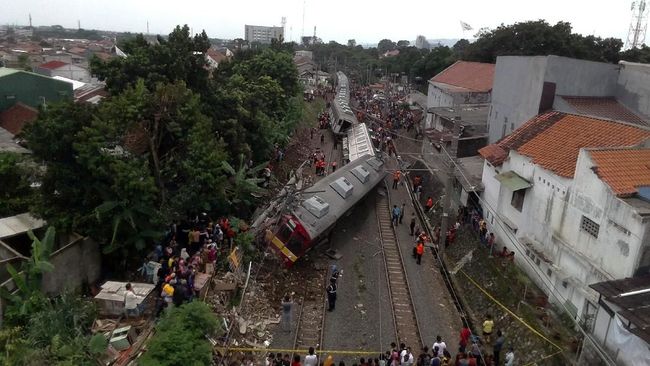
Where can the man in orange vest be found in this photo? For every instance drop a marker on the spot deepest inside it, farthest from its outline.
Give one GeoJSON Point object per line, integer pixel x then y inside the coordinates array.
{"type": "Point", "coordinates": [429, 204]}
{"type": "Point", "coordinates": [396, 177]}
{"type": "Point", "coordinates": [419, 249]}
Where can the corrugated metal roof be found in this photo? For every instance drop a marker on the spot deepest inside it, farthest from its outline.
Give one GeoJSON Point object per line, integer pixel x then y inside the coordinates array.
{"type": "Point", "coordinates": [19, 224]}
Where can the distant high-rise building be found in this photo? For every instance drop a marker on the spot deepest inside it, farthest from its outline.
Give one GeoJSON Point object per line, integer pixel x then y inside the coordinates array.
{"type": "Point", "coordinates": [263, 34]}
{"type": "Point", "coordinates": [421, 42]}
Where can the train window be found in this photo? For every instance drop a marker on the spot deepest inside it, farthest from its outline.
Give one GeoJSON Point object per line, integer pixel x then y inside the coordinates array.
{"type": "Point", "coordinates": [285, 232]}
{"type": "Point", "coordinates": [343, 187]}
{"type": "Point", "coordinates": [362, 174]}
{"type": "Point", "coordinates": [295, 245]}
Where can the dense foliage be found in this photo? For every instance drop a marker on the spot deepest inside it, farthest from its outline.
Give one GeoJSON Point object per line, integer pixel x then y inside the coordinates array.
{"type": "Point", "coordinates": [39, 330]}
{"type": "Point", "coordinates": [163, 145]}
{"type": "Point", "coordinates": [15, 192]}
{"type": "Point", "coordinates": [183, 329]}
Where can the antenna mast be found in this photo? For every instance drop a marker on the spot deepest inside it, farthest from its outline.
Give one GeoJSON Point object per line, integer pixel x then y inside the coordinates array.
{"type": "Point", "coordinates": [638, 24]}
{"type": "Point", "coordinates": [284, 27]}
{"type": "Point", "coordinates": [304, 6]}
{"type": "Point", "coordinates": [30, 20]}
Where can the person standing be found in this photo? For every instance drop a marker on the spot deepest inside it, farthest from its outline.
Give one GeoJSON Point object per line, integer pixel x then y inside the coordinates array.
{"type": "Point", "coordinates": [396, 177]}
{"type": "Point", "coordinates": [131, 302]}
{"type": "Point", "coordinates": [429, 204]}
{"type": "Point", "coordinates": [465, 333]}
{"type": "Point", "coordinates": [322, 139]}
{"type": "Point", "coordinates": [401, 212]}
{"type": "Point", "coordinates": [311, 359]}
{"type": "Point", "coordinates": [396, 213]}
{"type": "Point", "coordinates": [331, 295]}
{"type": "Point", "coordinates": [498, 345]}
{"type": "Point", "coordinates": [287, 307]}
{"type": "Point", "coordinates": [488, 326]}
{"type": "Point", "coordinates": [440, 345]}
{"type": "Point", "coordinates": [419, 249]}
{"type": "Point", "coordinates": [412, 224]}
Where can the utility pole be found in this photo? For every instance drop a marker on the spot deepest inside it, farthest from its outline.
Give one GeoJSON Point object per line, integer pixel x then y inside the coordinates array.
{"type": "Point", "coordinates": [449, 184]}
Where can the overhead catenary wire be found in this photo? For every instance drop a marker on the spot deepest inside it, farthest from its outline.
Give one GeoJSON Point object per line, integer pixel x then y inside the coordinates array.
{"type": "Point", "coordinates": [513, 240]}
{"type": "Point", "coordinates": [517, 245]}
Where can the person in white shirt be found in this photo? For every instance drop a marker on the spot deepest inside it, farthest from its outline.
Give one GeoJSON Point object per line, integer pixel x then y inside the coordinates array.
{"type": "Point", "coordinates": [442, 346]}
{"type": "Point", "coordinates": [131, 302]}
{"type": "Point", "coordinates": [510, 357]}
{"type": "Point", "coordinates": [311, 359]}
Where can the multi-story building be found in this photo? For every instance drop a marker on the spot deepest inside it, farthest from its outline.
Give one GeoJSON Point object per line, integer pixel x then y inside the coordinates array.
{"type": "Point", "coordinates": [569, 195]}
{"type": "Point", "coordinates": [262, 34]}
{"type": "Point", "coordinates": [525, 86]}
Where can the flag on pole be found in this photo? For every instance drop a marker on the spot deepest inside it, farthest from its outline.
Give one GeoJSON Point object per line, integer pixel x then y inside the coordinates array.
{"type": "Point", "coordinates": [465, 26]}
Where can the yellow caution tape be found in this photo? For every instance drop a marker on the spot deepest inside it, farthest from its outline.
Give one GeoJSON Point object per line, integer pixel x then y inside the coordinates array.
{"type": "Point", "coordinates": [510, 311]}
{"type": "Point", "coordinates": [282, 350]}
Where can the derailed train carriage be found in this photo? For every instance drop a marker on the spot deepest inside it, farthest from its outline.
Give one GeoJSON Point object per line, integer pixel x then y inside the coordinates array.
{"type": "Point", "coordinates": [341, 115]}
{"type": "Point", "coordinates": [328, 201]}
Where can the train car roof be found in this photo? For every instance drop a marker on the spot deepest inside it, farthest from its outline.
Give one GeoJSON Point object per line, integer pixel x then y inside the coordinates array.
{"type": "Point", "coordinates": [331, 197]}
{"type": "Point", "coordinates": [359, 142]}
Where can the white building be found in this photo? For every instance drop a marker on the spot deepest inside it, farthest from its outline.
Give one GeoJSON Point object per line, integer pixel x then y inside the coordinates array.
{"type": "Point", "coordinates": [59, 68]}
{"type": "Point", "coordinates": [525, 86]}
{"type": "Point", "coordinates": [262, 34]}
{"type": "Point", "coordinates": [565, 192]}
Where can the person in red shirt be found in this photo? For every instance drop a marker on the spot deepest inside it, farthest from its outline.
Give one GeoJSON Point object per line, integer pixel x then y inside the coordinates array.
{"type": "Point", "coordinates": [296, 361]}
{"type": "Point", "coordinates": [429, 204]}
{"type": "Point", "coordinates": [420, 250]}
{"type": "Point", "coordinates": [465, 333]}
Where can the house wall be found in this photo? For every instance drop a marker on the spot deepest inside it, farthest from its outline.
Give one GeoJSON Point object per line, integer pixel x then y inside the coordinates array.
{"type": "Point", "coordinates": [31, 88]}
{"type": "Point", "coordinates": [437, 97]}
{"type": "Point", "coordinates": [516, 91]}
{"type": "Point", "coordinates": [72, 72]}
{"type": "Point", "coordinates": [75, 264]}
{"type": "Point", "coordinates": [633, 87]}
{"type": "Point", "coordinates": [550, 223]}
{"type": "Point", "coordinates": [519, 81]}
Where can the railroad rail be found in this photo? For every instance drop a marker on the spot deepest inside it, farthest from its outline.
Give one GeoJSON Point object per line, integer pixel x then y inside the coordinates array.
{"type": "Point", "coordinates": [405, 320]}
{"type": "Point", "coordinates": [311, 317]}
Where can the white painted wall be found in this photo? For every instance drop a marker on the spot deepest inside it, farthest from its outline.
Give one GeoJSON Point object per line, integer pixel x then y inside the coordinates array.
{"type": "Point", "coordinates": [550, 220]}
{"type": "Point", "coordinates": [633, 87]}
{"type": "Point", "coordinates": [72, 72]}
{"type": "Point", "coordinates": [516, 91]}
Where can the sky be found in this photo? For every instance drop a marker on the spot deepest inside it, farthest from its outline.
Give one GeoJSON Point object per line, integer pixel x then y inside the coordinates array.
{"type": "Point", "coordinates": [339, 20]}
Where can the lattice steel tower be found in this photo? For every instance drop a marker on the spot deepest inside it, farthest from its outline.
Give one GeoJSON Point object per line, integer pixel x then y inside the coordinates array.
{"type": "Point", "coordinates": [638, 25]}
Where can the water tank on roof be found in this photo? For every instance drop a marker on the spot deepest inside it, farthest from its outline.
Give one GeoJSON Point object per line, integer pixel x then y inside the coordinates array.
{"type": "Point", "coordinates": [316, 206]}
{"type": "Point", "coordinates": [375, 163]}
{"type": "Point", "coordinates": [342, 187]}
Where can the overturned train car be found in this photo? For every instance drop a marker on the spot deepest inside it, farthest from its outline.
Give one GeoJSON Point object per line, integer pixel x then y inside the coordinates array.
{"type": "Point", "coordinates": [330, 198]}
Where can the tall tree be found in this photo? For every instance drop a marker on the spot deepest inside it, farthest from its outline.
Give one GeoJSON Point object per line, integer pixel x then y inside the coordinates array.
{"type": "Point", "coordinates": [386, 45]}
{"type": "Point", "coordinates": [540, 38]}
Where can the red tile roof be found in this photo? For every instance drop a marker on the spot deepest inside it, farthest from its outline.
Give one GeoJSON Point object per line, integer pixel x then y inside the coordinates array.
{"type": "Point", "coordinates": [622, 169]}
{"type": "Point", "coordinates": [475, 76]}
{"type": "Point", "coordinates": [556, 148]}
{"type": "Point", "coordinates": [52, 65]}
{"type": "Point", "coordinates": [604, 107]}
{"type": "Point", "coordinates": [16, 117]}
{"type": "Point", "coordinates": [497, 153]}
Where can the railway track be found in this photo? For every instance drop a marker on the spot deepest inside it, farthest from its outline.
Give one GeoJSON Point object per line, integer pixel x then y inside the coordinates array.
{"type": "Point", "coordinates": [404, 317]}
{"type": "Point", "coordinates": [311, 316]}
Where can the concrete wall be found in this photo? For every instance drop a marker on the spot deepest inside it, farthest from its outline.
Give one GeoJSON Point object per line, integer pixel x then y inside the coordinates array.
{"type": "Point", "coordinates": [517, 88]}
{"type": "Point", "coordinates": [550, 222]}
{"type": "Point", "coordinates": [519, 80]}
{"type": "Point", "coordinates": [633, 87]}
{"type": "Point", "coordinates": [581, 77]}
{"type": "Point", "coordinates": [75, 264]}
{"type": "Point", "coordinates": [437, 97]}
{"type": "Point", "coordinates": [72, 72]}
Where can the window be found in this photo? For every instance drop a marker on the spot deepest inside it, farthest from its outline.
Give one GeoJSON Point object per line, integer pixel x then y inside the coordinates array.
{"type": "Point", "coordinates": [537, 262]}
{"type": "Point", "coordinates": [518, 199]}
{"type": "Point", "coordinates": [527, 251]}
{"type": "Point", "coordinates": [549, 273]}
{"type": "Point", "coordinates": [565, 283]}
{"type": "Point", "coordinates": [589, 226]}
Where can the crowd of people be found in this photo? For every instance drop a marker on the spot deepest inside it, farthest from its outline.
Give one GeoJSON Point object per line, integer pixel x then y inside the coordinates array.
{"type": "Point", "coordinates": [471, 352]}
{"type": "Point", "coordinates": [189, 248]}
